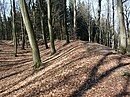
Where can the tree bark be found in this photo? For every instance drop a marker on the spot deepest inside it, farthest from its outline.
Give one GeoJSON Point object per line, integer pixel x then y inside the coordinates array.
{"type": "Point", "coordinates": [31, 35]}
{"type": "Point", "coordinates": [14, 28]}
{"type": "Point", "coordinates": [65, 23]}
{"type": "Point", "coordinates": [1, 28]}
{"type": "Point", "coordinates": [122, 35]}
{"type": "Point", "coordinates": [113, 28]}
{"type": "Point", "coordinates": [5, 22]}
{"type": "Point", "coordinates": [74, 4]}
{"type": "Point", "coordinates": [49, 9]}
{"type": "Point", "coordinates": [23, 34]}
{"type": "Point", "coordinates": [89, 23]}
{"type": "Point", "coordinates": [42, 25]}
{"type": "Point", "coordinates": [108, 23]}
{"type": "Point", "coordinates": [98, 22]}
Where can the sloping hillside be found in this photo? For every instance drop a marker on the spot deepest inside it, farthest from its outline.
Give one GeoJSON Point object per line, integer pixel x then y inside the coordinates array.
{"type": "Point", "coordinates": [78, 69]}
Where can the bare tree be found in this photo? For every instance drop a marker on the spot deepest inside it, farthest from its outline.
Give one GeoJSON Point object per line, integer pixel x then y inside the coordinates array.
{"type": "Point", "coordinates": [74, 4]}
{"type": "Point", "coordinates": [42, 23]}
{"type": "Point", "coordinates": [122, 35]}
{"type": "Point", "coordinates": [127, 15]}
{"type": "Point", "coordinates": [98, 22]}
{"type": "Point", "coordinates": [113, 24]}
{"type": "Point", "coordinates": [65, 23]}
{"type": "Point", "coordinates": [108, 24]}
{"type": "Point", "coordinates": [23, 34]}
{"type": "Point", "coordinates": [31, 35]}
{"type": "Point", "coordinates": [53, 50]}
{"type": "Point", "coordinates": [14, 27]}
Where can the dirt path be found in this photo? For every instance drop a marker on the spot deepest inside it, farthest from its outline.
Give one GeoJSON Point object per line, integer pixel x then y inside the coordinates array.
{"type": "Point", "coordinates": [77, 70]}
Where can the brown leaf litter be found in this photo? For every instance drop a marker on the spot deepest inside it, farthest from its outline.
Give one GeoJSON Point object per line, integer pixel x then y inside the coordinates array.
{"type": "Point", "coordinates": [79, 69]}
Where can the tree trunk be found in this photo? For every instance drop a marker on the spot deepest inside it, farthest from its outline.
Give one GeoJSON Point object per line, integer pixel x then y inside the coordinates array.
{"type": "Point", "coordinates": [113, 21]}
{"type": "Point", "coordinates": [108, 23]}
{"type": "Point", "coordinates": [128, 31]}
{"type": "Point", "coordinates": [60, 23]}
{"type": "Point", "coordinates": [1, 28]}
{"type": "Point", "coordinates": [14, 28]}
{"type": "Point", "coordinates": [74, 4]}
{"type": "Point", "coordinates": [31, 35]}
{"type": "Point", "coordinates": [34, 16]}
{"type": "Point", "coordinates": [65, 23]}
{"type": "Point", "coordinates": [98, 22]}
{"type": "Point", "coordinates": [89, 23]}
{"type": "Point", "coordinates": [122, 35]}
{"type": "Point", "coordinates": [128, 39]}
{"type": "Point", "coordinates": [42, 25]}
{"type": "Point", "coordinates": [5, 22]}
{"type": "Point", "coordinates": [127, 14]}
{"type": "Point", "coordinates": [23, 35]}
{"type": "Point", "coordinates": [53, 50]}
{"type": "Point", "coordinates": [43, 32]}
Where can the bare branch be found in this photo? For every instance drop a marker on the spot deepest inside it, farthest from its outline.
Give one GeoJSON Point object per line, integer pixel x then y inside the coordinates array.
{"type": "Point", "coordinates": [124, 1]}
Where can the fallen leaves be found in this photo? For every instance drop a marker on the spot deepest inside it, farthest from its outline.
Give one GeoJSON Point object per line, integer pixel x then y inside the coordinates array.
{"type": "Point", "coordinates": [79, 68]}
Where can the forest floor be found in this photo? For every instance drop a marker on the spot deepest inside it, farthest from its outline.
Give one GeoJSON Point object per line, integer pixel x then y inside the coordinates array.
{"type": "Point", "coordinates": [79, 69]}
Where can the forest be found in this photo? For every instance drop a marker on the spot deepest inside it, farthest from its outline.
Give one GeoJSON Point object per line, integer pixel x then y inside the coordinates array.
{"type": "Point", "coordinates": [64, 48]}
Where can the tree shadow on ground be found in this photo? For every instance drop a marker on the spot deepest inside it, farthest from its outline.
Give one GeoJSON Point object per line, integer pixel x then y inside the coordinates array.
{"type": "Point", "coordinates": [22, 79]}
{"type": "Point", "coordinates": [58, 84]}
{"type": "Point", "coordinates": [14, 63]}
{"type": "Point", "coordinates": [124, 91]}
{"type": "Point", "coordinates": [60, 66]}
{"type": "Point", "coordinates": [60, 54]}
{"type": "Point", "coordinates": [54, 70]}
{"type": "Point", "coordinates": [93, 79]}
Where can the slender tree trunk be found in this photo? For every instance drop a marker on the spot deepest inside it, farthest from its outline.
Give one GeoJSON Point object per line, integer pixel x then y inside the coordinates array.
{"type": "Point", "coordinates": [113, 28]}
{"type": "Point", "coordinates": [5, 22]}
{"type": "Point", "coordinates": [89, 22]}
{"type": "Point", "coordinates": [128, 35]}
{"type": "Point", "coordinates": [29, 4]}
{"type": "Point", "coordinates": [65, 23]}
{"type": "Point", "coordinates": [127, 14]}
{"type": "Point", "coordinates": [23, 39]}
{"type": "Point", "coordinates": [14, 28]}
{"type": "Point", "coordinates": [23, 35]}
{"type": "Point", "coordinates": [53, 50]}
{"type": "Point", "coordinates": [62, 29]}
{"type": "Point", "coordinates": [74, 4]}
{"type": "Point", "coordinates": [1, 27]}
{"type": "Point", "coordinates": [122, 36]}
{"type": "Point", "coordinates": [128, 31]}
{"type": "Point", "coordinates": [42, 25]}
{"type": "Point", "coordinates": [108, 22]}
{"type": "Point", "coordinates": [43, 32]}
{"type": "Point", "coordinates": [99, 14]}
{"type": "Point", "coordinates": [31, 35]}
{"type": "Point", "coordinates": [60, 23]}
{"type": "Point", "coordinates": [34, 16]}
{"type": "Point", "coordinates": [89, 30]}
